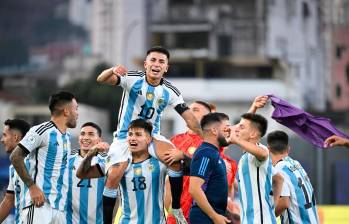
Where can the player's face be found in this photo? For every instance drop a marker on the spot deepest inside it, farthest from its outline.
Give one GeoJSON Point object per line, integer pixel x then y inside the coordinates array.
{"type": "Point", "coordinates": [244, 129]}
{"type": "Point", "coordinates": [223, 133]}
{"type": "Point", "coordinates": [138, 140]}
{"type": "Point", "coordinates": [9, 139]}
{"type": "Point", "coordinates": [155, 65]}
{"type": "Point", "coordinates": [73, 114]}
{"type": "Point", "coordinates": [88, 137]}
{"type": "Point", "coordinates": [198, 110]}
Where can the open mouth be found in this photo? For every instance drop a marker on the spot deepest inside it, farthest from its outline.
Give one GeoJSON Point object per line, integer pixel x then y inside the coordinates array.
{"type": "Point", "coordinates": [155, 70]}
{"type": "Point", "coordinates": [133, 144]}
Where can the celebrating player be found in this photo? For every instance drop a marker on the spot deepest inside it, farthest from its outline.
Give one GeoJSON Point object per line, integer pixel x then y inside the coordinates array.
{"type": "Point", "coordinates": [46, 175]}
{"type": "Point", "coordinates": [146, 95]}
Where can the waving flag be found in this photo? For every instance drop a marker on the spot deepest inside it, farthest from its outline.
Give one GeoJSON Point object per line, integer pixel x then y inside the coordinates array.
{"type": "Point", "coordinates": [312, 128]}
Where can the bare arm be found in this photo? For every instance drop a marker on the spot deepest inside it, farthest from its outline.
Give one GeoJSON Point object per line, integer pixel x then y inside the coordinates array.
{"type": "Point", "coordinates": [335, 140]}
{"type": "Point", "coordinates": [111, 75]}
{"type": "Point", "coordinates": [278, 180]}
{"type": "Point", "coordinates": [199, 196]}
{"type": "Point", "coordinates": [6, 205]}
{"type": "Point", "coordinates": [260, 153]}
{"type": "Point", "coordinates": [85, 170]}
{"type": "Point", "coordinates": [192, 123]}
{"type": "Point", "coordinates": [17, 160]}
{"type": "Point", "coordinates": [283, 203]}
{"type": "Point", "coordinates": [258, 102]}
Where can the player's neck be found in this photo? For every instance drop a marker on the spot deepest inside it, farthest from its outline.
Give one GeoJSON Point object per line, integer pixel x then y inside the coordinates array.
{"type": "Point", "coordinates": [275, 158]}
{"type": "Point", "coordinates": [153, 82]}
{"type": "Point", "coordinates": [60, 124]}
{"type": "Point", "coordinates": [83, 153]}
{"type": "Point", "coordinates": [138, 157]}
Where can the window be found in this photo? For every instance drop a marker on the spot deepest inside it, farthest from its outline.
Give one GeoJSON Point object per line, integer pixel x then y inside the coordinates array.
{"type": "Point", "coordinates": [224, 45]}
{"type": "Point", "coordinates": [338, 91]}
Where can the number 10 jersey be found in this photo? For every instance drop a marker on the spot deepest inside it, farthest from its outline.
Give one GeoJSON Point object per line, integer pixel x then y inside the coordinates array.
{"type": "Point", "coordinates": [142, 100]}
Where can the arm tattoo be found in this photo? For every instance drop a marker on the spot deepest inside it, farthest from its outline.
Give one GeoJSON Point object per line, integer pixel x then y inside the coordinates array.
{"type": "Point", "coordinates": [17, 160]}
{"type": "Point", "coordinates": [86, 163]}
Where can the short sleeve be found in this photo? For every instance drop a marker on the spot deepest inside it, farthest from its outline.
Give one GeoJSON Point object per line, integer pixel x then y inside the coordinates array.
{"type": "Point", "coordinates": [99, 161]}
{"type": "Point", "coordinates": [285, 191]}
{"type": "Point", "coordinates": [32, 140]}
{"type": "Point", "coordinates": [11, 185]}
{"type": "Point", "coordinates": [201, 165]}
{"type": "Point", "coordinates": [128, 80]}
{"type": "Point", "coordinates": [255, 160]}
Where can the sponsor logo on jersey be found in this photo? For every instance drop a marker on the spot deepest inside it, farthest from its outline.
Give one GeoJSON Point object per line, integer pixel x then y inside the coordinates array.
{"type": "Point", "coordinates": [161, 101]}
{"type": "Point", "coordinates": [31, 140]}
{"type": "Point", "coordinates": [138, 171]}
{"type": "Point", "coordinates": [150, 96]}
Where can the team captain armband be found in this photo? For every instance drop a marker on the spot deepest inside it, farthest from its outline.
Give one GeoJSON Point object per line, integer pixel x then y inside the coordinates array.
{"type": "Point", "coordinates": [180, 108]}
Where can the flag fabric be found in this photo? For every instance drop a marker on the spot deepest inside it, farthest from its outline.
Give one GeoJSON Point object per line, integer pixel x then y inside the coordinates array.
{"type": "Point", "coordinates": [312, 128]}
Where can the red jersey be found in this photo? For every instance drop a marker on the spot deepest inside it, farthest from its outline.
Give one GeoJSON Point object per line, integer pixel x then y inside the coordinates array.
{"type": "Point", "coordinates": [188, 143]}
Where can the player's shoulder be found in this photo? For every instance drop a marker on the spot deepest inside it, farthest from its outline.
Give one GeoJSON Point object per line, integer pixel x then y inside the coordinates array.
{"type": "Point", "coordinates": [168, 85]}
{"type": "Point", "coordinates": [43, 127]}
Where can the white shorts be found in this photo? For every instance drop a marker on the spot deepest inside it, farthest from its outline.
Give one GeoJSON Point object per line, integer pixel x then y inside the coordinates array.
{"type": "Point", "coordinates": [43, 215]}
{"type": "Point", "coordinates": [118, 151]}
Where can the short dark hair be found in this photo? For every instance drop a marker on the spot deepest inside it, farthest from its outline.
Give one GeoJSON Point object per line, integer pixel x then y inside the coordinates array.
{"type": "Point", "coordinates": [213, 118]}
{"type": "Point", "coordinates": [19, 125]}
{"type": "Point", "coordinates": [141, 123]}
{"type": "Point", "coordinates": [206, 105]}
{"type": "Point", "coordinates": [277, 141]}
{"type": "Point", "coordinates": [58, 99]}
{"type": "Point", "coordinates": [95, 126]}
{"type": "Point", "coordinates": [159, 49]}
{"type": "Point", "coordinates": [258, 121]}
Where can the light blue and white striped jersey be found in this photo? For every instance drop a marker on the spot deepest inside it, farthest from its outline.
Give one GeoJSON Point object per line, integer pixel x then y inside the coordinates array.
{"type": "Point", "coordinates": [142, 100]}
{"type": "Point", "coordinates": [297, 186]}
{"type": "Point", "coordinates": [255, 188]}
{"type": "Point", "coordinates": [142, 190]}
{"type": "Point", "coordinates": [18, 188]}
{"type": "Point", "coordinates": [49, 150]}
{"type": "Point", "coordinates": [85, 196]}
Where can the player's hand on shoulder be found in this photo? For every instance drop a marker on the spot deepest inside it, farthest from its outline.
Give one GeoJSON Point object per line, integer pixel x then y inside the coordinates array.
{"type": "Point", "coordinates": [173, 155]}
{"type": "Point", "coordinates": [220, 219]}
{"type": "Point", "coordinates": [119, 70]}
{"type": "Point", "coordinates": [37, 195]}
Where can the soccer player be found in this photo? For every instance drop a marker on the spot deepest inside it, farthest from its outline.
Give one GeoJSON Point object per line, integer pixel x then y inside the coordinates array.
{"type": "Point", "coordinates": [256, 178]}
{"type": "Point", "coordinates": [146, 95]}
{"type": "Point", "coordinates": [142, 185]}
{"type": "Point", "coordinates": [297, 203]}
{"type": "Point", "coordinates": [85, 196]}
{"type": "Point", "coordinates": [188, 142]}
{"type": "Point", "coordinates": [47, 147]}
{"type": "Point", "coordinates": [208, 176]}
{"type": "Point", "coordinates": [335, 140]}
{"type": "Point", "coordinates": [13, 131]}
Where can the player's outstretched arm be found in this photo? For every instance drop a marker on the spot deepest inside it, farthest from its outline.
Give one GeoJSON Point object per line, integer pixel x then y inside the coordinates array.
{"type": "Point", "coordinates": [335, 140]}
{"type": "Point", "coordinates": [260, 153]}
{"type": "Point", "coordinates": [111, 75]}
{"type": "Point", "coordinates": [6, 205]}
{"type": "Point", "coordinates": [192, 123]}
{"type": "Point", "coordinates": [17, 160]}
{"type": "Point", "coordinates": [85, 170]}
{"type": "Point", "coordinates": [258, 102]}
